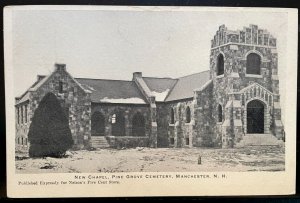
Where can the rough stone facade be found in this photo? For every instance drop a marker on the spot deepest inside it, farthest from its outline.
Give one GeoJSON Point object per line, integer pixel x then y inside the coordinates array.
{"type": "Point", "coordinates": [215, 114]}
{"type": "Point", "coordinates": [180, 132]}
{"type": "Point", "coordinates": [234, 89]}
{"type": "Point", "coordinates": [73, 98]}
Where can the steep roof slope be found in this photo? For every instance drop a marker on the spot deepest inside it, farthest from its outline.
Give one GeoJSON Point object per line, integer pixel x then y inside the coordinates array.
{"type": "Point", "coordinates": [113, 91]}
{"type": "Point", "coordinates": [127, 92]}
{"type": "Point", "coordinates": [184, 87]}
{"type": "Point", "coordinates": [160, 87]}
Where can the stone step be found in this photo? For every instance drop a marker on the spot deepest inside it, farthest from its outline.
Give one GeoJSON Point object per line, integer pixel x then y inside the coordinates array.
{"type": "Point", "coordinates": [259, 140]}
{"type": "Point", "coordinates": [99, 142]}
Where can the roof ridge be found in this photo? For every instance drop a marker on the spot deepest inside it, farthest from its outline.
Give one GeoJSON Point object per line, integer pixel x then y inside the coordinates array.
{"type": "Point", "coordinates": [161, 78]}
{"type": "Point", "coordinates": [193, 74]}
{"type": "Point", "coordinates": [103, 79]}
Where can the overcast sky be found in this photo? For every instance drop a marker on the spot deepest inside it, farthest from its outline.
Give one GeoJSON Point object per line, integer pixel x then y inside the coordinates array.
{"type": "Point", "coordinates": [114, 44]}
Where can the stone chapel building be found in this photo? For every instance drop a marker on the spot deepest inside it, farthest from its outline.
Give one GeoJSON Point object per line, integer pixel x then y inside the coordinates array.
{"type": "Point", "coordinates": [233, 103]}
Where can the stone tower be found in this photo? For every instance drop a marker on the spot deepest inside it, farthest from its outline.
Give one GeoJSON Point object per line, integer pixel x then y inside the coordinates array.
{"type": "Point", "coordinates": [244, 72]}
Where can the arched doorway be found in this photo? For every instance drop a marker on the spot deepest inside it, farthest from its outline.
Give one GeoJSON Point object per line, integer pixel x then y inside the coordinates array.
{"type": "Point", "coordinates": [118, 124]}
{"type": "Point", "coordinates": [255, 117]}
{"type": "Point", "coordinates": [138, 125]}
{"type": "Point", "coordinates": [98, 124]}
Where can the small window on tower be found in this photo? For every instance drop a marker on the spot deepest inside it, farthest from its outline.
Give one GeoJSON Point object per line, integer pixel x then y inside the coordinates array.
{"type": "Point", "coordinates": [60, 90]}
{"type": "Point", "coordinates": [220, 65]}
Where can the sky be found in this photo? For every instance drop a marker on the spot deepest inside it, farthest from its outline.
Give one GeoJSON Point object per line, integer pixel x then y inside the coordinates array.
{"type": "Point", "coordinates": [111, 44]}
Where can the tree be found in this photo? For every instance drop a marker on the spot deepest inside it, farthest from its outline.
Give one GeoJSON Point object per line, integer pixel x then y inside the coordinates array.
{"type": "Point", "coordinates": [49, 132]}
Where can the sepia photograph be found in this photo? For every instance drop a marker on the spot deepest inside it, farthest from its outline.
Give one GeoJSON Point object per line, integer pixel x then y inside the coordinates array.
{"type": "Point", "coordinates": [106, 90]}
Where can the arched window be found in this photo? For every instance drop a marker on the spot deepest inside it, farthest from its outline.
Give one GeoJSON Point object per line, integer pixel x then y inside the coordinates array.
{"type": "Point", "coordinates": [138, 125]}
{"type": "Point", "coordinates": [220, 65]}
{"type": "Point", "coordinates": [253, 64]}
{"type": "Point", "coordinates": [188, 115]}
{"type": "Point", "coordinates": [220, 113]}
{"type": "Point", "coordinates": [172, 116]}
{"type": "Point", "coordinates": [118, 124]}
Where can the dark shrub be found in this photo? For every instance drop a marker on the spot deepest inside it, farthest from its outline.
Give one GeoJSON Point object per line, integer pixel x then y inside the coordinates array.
{"type": "Point", "coordinates": [49, 132]}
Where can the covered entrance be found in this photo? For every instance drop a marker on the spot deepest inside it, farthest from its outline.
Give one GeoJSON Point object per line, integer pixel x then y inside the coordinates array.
{"type": "Point", "coordinates": [255, 117]}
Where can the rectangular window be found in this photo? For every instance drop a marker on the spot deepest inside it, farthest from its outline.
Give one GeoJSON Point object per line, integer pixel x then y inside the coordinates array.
{"type": "Point", "coordinates": [187, 141]}
{"type": "Point", "coordinates": [18, 114]}
{"type": "Point", "coordinates": [22, 114]}
{"type": "Point", "coordinates": [60, 87]}
{"type": "Point", "coordinates": [25, 113]}
{"type": "Point", "coordinates": [172, 141]}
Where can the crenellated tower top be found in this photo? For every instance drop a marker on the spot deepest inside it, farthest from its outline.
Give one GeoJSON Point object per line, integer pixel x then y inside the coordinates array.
{"type": "Point", "coordinates": [251, 35]}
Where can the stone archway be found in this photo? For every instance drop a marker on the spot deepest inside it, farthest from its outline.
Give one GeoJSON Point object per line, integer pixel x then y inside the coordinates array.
{"type": "Point", "coordinates": [118, 124]}
{"type": "Point", "coordinates": [97, 124]}
{"type": "Point", "coordinates": [256, 117]}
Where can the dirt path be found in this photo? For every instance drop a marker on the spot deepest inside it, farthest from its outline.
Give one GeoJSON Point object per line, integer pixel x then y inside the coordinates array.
{"type": "Point", "coordinates": [265, 158]}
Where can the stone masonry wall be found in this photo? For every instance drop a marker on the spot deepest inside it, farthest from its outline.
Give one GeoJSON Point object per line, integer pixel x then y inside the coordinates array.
{"type": "Point", "coordinates": [235, 46]}
{"type": "Point", "coordinates": [207, 131]}
{"type": "Point", "coordinates": [181, 131]}
{"type": "Point", "coordinates": [22, 126]}
{"type": "Point", "coordinates": [74, 100]}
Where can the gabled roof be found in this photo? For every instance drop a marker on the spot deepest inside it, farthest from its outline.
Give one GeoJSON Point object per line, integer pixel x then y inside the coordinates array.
{"type": "Point", "coordinates": [184, 88]}
{"type": "Point", "coordinates": [25, 96]}
{"type": "Point", "coordinates": [160, 87]}
{"type": "Point", "coordinates": [113, 91]}
{"type": "Point", "coordinates": [127, 92]}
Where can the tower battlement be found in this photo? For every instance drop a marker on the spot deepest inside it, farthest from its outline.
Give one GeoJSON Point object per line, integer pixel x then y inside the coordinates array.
{"type": "Point", "coordinates": [251, 35]}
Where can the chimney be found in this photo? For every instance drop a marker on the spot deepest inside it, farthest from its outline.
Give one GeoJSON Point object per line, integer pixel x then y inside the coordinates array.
{"type": "Point", "coordinates": [60, 67]}
{"type": "Point", "coordinates": [137, 75]}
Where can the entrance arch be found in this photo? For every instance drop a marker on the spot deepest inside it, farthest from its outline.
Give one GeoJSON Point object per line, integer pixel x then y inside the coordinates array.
{"type": "Point", "coordinates": [118, 124]}
{"type": "Point", "coordinates": [138, 125]}
{"type": "Point", "coordinates": [97, 124]}
{"type": "Point", "coordinates": [255, 117]}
